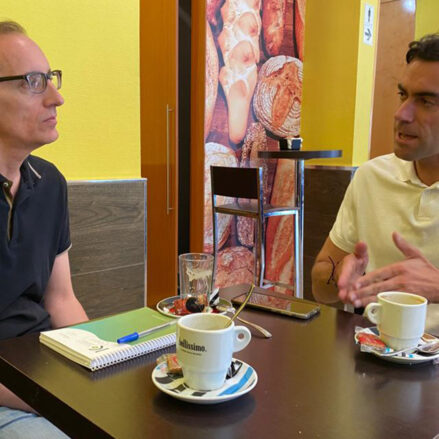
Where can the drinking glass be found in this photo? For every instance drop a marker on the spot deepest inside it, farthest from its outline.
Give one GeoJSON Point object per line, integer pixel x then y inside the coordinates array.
{"type": "Point", "coordinates": [196, 271]}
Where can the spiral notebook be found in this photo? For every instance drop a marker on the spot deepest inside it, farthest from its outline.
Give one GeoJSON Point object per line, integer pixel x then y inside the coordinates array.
{"type": "Point", "coordinates": [93, 344]}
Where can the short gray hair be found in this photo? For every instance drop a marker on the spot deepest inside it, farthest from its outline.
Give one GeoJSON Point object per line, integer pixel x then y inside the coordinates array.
{"type": "Point", "coordinates": [10, 27]}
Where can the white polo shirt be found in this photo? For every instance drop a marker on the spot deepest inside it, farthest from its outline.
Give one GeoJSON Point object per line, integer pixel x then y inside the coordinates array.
{"type": "Point", "coordinates": [386, 195]}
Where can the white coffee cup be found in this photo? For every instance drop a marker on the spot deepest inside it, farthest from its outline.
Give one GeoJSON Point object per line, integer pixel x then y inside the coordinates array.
{"type": "Point", "coordinates": [205, 347]}
{"type": "Point", "coordinates": [400, 318]}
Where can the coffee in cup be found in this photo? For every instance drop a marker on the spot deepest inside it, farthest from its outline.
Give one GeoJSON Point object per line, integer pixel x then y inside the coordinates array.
{"type": "Point", "coordinates": [400, 318]}
{"type": "Point", "coordinates": [205, 347]}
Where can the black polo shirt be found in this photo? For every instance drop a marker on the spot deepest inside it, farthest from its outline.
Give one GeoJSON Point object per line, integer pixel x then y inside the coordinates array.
{"type": "Point", "coordinates": [33, 231]}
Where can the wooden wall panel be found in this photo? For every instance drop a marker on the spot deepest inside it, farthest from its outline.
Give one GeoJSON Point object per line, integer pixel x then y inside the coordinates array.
{"type": "Point", "coordinates": [107, 223]}
{"type": "Point", "coordinates": [396, 29]}
{"type": "Point", "coordinates": [324, 191]}
{"type": "Point", "coordinates": [111, 291]}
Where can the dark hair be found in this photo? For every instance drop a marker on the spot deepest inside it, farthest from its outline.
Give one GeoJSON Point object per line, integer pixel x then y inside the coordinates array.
{"type": "Point", "coordinates": [9, 27]}
{"type": "Point", "coordinates": [425, 49]}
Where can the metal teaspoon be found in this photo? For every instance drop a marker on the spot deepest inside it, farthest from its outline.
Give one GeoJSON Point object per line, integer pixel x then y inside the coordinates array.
{"type": "Point", "coordinates": [263, 331]}
{"type": "Point", "coordinates": [430, 348]}
{"type": "Point", "coordinates": [250, 292]}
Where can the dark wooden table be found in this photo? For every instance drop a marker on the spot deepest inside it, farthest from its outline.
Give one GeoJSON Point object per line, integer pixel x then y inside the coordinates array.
{"type": "Point", "coordinates": [313, 383]}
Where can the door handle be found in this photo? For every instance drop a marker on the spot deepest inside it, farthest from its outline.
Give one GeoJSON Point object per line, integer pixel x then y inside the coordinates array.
{"type": "Point", "coordinates": [168, 169]}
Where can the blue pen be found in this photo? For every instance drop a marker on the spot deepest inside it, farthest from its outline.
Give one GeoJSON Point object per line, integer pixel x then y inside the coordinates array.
{"type": "Point", "coordinates": [137, 335]}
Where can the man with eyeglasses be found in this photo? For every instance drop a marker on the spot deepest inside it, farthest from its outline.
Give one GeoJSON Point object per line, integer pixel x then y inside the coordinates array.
{"type": "Point", "coordinates": [363, 255]}
{"type": "Point", "coordinates": [35, 286]}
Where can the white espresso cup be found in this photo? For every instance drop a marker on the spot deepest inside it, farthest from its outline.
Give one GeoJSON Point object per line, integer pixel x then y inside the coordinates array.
{"type": "Point", "coordinates": [400, 318]}
{"type": "Point", "coordinates": [205, 347]}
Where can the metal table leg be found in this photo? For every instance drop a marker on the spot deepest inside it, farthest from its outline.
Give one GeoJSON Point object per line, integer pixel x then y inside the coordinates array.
{"type": "Point", "coordinates": [298, 247]}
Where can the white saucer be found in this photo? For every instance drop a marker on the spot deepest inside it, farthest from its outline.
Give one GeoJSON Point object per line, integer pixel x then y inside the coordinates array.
{"type": "Point", "coordinates": [165, 306]}
{"type": "Point", "coordinates": [407, 358]}
{"type": "Point", "coordinates": [404, 357]}
{"type": "Point", "coordinates": [240, 384]}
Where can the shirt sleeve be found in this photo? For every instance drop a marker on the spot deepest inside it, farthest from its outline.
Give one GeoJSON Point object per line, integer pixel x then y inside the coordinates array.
{"type": "Point", "coordinates": [344, 233]}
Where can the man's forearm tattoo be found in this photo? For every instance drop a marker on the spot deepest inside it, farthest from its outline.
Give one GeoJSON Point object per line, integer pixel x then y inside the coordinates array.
{"type": "Point", "coordinates": [331, 280]}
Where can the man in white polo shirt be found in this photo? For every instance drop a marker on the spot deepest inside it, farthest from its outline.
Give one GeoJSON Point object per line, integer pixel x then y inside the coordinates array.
{"type": "Point", "coordinates": [386, 233]}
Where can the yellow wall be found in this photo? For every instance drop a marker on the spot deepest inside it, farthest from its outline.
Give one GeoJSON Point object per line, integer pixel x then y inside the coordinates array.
{"type": "Point", "coordinates": [338, 80]}
{"type": "Point", "coordinates": [96, 45]}
{"type": "Point", "coordinates": [427, 13]}
{"type": "Point", "coordinates": [365, 77]}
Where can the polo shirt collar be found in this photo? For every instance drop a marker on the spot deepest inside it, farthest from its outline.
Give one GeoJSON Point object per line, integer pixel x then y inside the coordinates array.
{"type": "Point", "coordinates": [407, 172]}
{"type": "Point", "coordinates": [29, 175]}
{"type": "Point", "coordinates": [29, 179]}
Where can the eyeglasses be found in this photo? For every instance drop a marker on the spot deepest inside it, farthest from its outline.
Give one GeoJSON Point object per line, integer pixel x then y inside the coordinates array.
{"type": "Point", "coordinates": [37, 81]}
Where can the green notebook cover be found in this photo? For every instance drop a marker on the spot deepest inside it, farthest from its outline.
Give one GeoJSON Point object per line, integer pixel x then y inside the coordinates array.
{"type": "Point", "coordinates": [94, 344]}
{"type": "Point", "coordinates": [116, 326]}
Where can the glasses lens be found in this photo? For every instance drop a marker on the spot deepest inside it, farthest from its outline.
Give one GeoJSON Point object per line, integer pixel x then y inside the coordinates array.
{"type": "Point", "coordinates": [37, 82]}
{"type": "Point", "coordinates": [56, 78]}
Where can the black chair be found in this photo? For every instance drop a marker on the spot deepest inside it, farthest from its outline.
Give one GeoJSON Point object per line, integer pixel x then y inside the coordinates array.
{"type": "Point", "coordinates": [247, 183]}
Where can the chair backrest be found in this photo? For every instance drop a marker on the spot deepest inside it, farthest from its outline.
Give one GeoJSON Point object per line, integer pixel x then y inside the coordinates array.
{"type": "Point", "coordinates": [236, 182]}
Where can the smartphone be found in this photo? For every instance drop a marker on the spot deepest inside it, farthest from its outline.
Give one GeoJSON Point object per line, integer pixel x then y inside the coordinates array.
{"type": "Point", "coordinates": [280, 303]}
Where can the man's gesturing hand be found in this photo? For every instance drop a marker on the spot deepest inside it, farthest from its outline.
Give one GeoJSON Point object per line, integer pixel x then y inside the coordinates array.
{"type": "Point", "coordinates": [414, 274]}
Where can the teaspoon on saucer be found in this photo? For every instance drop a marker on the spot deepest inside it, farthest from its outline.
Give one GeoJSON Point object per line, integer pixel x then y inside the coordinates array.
{"type": "Point", "coordinates": [429, 348]}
